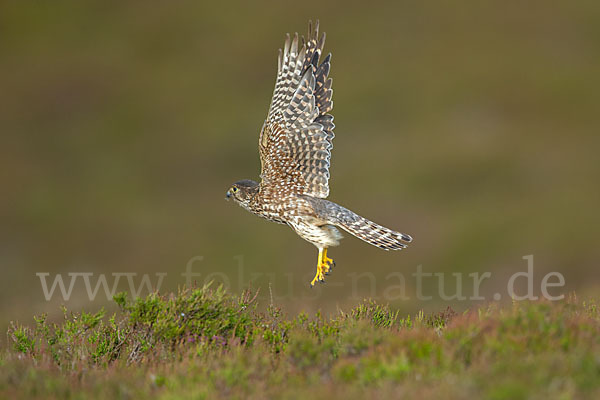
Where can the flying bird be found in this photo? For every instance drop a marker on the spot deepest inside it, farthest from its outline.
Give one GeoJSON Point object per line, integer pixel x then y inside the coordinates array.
{"type": "Point", "coordinates": [295, 145]}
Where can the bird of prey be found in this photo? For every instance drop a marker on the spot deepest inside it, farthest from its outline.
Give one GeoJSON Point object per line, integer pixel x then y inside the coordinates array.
{"type": "Point", "coordinates": [295, 145]}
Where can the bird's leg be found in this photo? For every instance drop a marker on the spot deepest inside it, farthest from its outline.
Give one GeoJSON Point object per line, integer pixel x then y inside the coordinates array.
{"type": "Point", "coordinates": [319, 277]}
{"type": "Point", "coordinates": [324, 265]}
{"type": "Point", "coordinates": [328, 263]}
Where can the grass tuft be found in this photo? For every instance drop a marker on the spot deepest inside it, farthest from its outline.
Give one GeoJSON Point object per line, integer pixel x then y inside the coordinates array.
{"type": "Point", "coordinates": [206, 343]}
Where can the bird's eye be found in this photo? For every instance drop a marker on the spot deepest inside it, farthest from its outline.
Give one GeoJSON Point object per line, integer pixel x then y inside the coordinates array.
{"type": "Point", "coordinates": [234, 189]}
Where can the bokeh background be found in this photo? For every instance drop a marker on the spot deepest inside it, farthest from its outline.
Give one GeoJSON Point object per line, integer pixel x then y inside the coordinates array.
{"type": "Point", "coordinates": [473, 126]}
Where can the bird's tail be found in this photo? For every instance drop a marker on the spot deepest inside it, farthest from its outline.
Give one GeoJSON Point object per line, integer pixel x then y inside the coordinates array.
{"type": "Point", "coordinates": [369, 231]}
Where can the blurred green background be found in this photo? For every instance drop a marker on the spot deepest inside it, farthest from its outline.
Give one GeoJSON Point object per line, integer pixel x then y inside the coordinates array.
{"type": "Point", "coordinates": [473, 126]}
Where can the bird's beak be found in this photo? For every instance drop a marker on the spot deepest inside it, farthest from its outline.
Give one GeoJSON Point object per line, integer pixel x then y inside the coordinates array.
{"type": "Point", "coordinates": [227, 195]}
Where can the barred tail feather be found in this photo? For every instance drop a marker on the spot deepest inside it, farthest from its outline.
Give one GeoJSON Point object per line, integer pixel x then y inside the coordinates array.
{"type": "Point", "coordinates": [376, 234]}
{"type": "Point", "coordinates": [364, 229]}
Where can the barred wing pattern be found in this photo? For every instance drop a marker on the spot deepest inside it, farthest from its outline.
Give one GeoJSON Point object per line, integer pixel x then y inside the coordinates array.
{"type": "Point", "coordinates": [297, 137]}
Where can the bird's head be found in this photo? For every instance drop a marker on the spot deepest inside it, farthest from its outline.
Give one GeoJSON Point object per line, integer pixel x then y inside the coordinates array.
{"type": "Point", "coordinates": [242, 192]}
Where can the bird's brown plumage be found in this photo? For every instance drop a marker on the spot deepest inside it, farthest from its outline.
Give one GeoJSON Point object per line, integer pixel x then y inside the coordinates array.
{"type": "Point", "coordinates": [295, 146]}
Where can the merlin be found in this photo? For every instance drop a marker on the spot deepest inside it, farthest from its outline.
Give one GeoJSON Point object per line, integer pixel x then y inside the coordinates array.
{"type": "Point", "coordinates": [295, 145]}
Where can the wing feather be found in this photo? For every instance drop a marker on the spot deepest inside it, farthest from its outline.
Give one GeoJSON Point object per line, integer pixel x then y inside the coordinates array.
{"type": "Point", "coordinates": [297, 137]}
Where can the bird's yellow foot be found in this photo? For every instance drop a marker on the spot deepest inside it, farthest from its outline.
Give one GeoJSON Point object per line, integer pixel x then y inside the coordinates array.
{"type": "Point", "coordinates": [319, 277]}
{"type": "Point", "coordinates": [328, 263]}
{"type": "Point", "coordinates": [324, 265]}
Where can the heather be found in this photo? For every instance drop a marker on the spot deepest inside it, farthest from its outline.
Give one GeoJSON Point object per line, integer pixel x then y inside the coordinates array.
{"type": "Point", "coordinates": [207, 343]}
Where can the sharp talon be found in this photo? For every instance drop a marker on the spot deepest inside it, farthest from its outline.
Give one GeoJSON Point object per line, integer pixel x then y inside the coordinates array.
{"type": "Point", "coordinates": [324, 265]}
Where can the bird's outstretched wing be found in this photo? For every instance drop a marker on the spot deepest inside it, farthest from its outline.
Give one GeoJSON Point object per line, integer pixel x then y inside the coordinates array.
{"type": "Point", "coordinates": [297, 137]}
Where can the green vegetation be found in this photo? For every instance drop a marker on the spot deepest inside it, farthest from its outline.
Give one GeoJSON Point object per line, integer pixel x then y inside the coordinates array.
{"type": "Point", "coordinates": [205, 343]}
{"type": "Point", "coordinates": [472, 125]}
